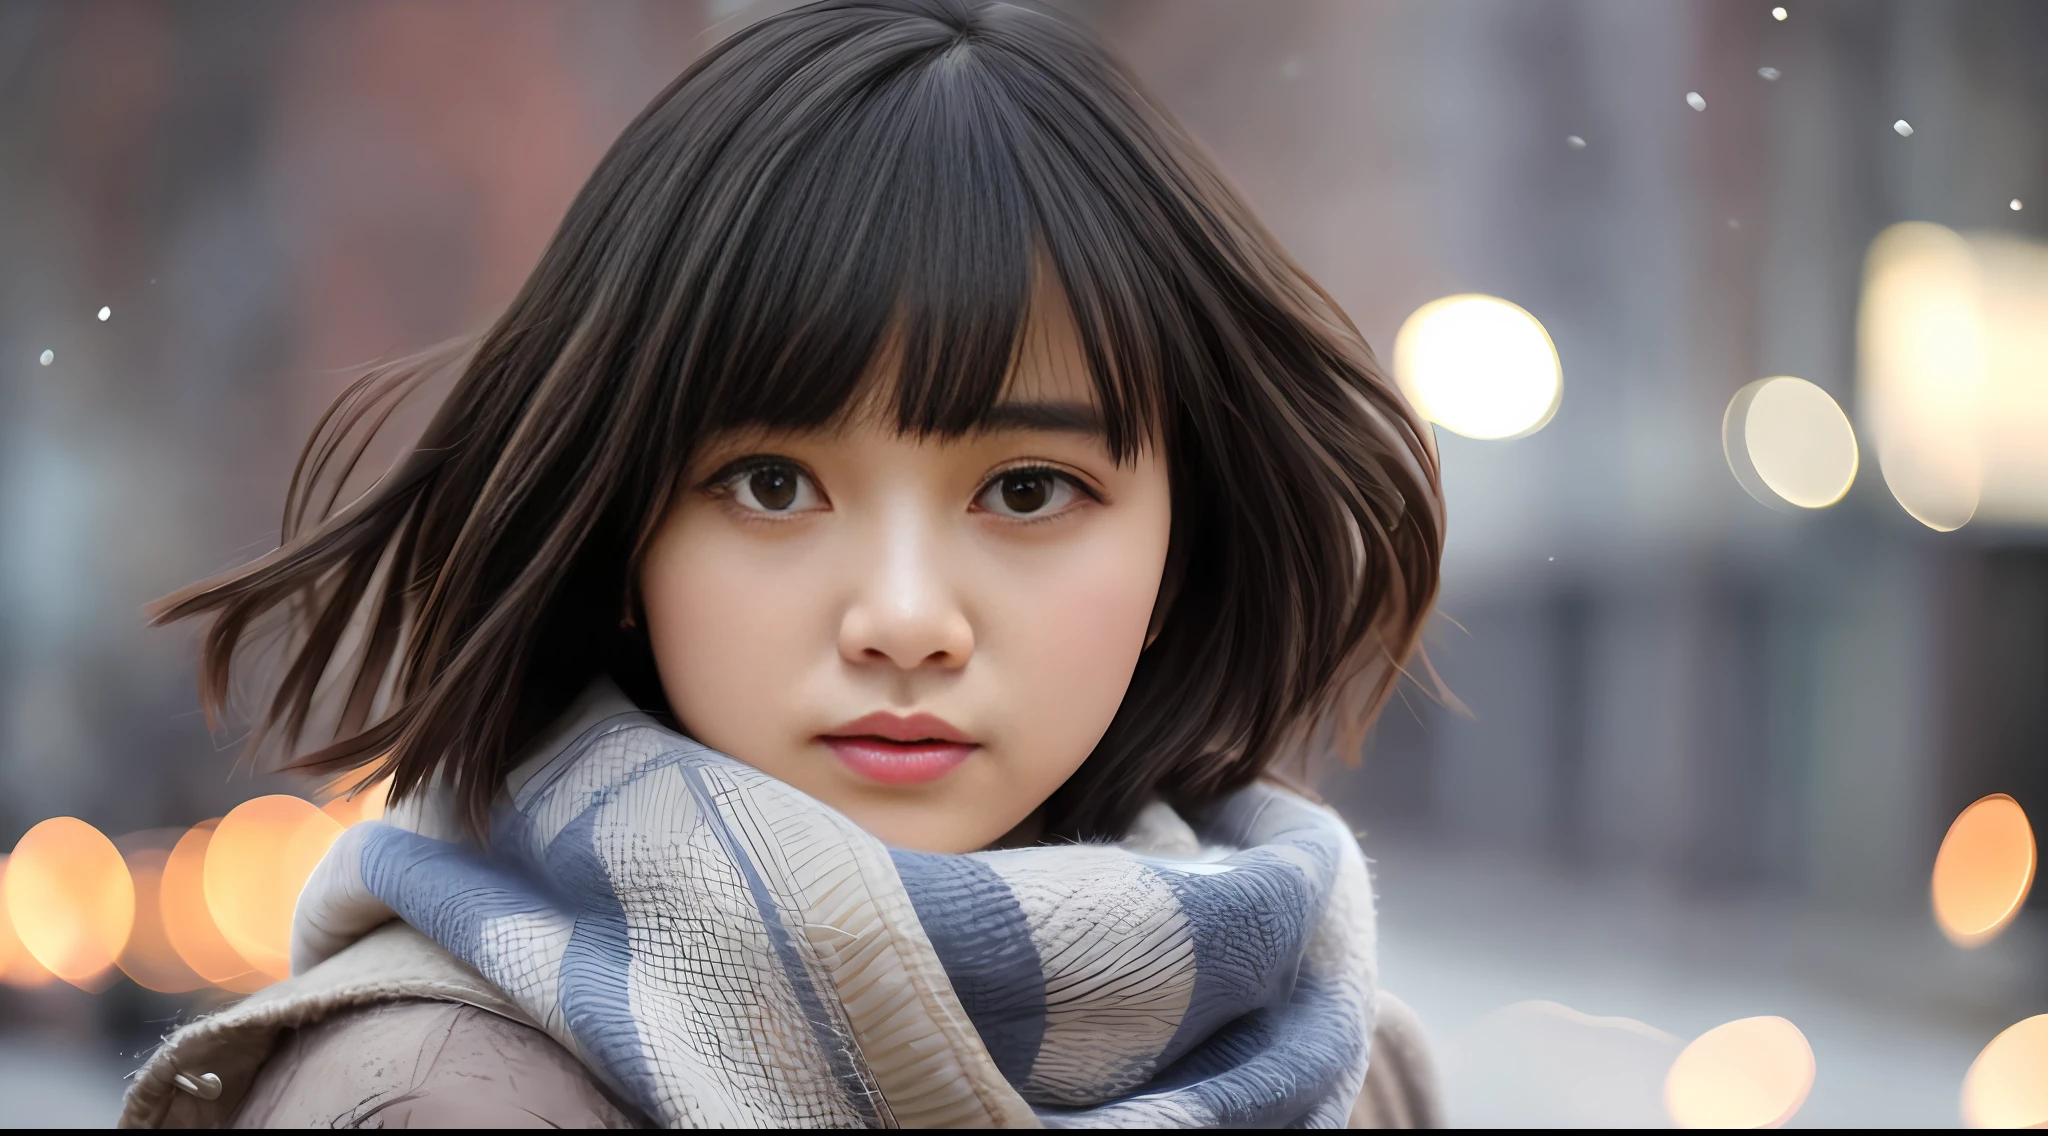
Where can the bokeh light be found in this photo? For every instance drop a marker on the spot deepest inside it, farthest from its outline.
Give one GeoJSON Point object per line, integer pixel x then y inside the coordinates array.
{"type": "Point", "coordinates": [71, 899]}
{"type": "Point", "coordinates": [1953, 339]}
{"type": "Point", "coordinates": [2014, 298]}
{"type": "Point", "coordinates": [1789, 443]}
{"type": "Point", "coordinates": [18, 968]}
{"type": "Point", "coordinates": [162, 906]}
{"type": "Point", "coordinates": [1983, 871]}
{"type": "Point", "coordinates": [1749, 1073]}
{"type": "Point", "coordinates": [1921, 339]}
{"type": "Point", "coordinates": [1478, 366]}
{"type": "Point", "coordinates": [188, 921]}
{"type": "Point", "coordinates": [256, 863]}
{"type": "Point", "coordinates": [2007, 1086]}
{"type": "Point", "coordinates": [149, 957]}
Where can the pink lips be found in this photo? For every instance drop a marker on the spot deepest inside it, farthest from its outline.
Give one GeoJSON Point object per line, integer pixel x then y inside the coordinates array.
{"type": "Point", "coordinates": [896, 750]}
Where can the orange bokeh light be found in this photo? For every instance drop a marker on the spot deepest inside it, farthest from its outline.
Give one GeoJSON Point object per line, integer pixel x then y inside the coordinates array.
{"type": "Point", "coordinates": [71, 899]}
{"type": "Point", "coordinates": [1750, 1073]}
{"type": "Point", "coordinates": [256, 863]}
{"type": "Point", "coordinates": [2007, 1086]}
{"type": "Point", "coordinates": [150, 958]}
{"type": "Point", "coordinates": [1983, 871]}
{"type": "Point", "coordinates": [188, 922]}
{"type": "Point", "coordinates": [17, 967]}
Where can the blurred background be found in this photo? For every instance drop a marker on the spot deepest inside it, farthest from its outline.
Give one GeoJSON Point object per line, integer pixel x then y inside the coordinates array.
{"type": "Point", "coordinates": [1723, 695]}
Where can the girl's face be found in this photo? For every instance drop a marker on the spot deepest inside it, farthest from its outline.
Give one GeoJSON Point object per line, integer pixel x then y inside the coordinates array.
{"type": "Point", "coordinates": [928, 635]}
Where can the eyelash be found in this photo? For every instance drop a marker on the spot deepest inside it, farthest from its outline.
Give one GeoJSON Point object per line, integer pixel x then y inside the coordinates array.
{"type": "Point", "coordinates": [723, 483]}
{"type": "Point", "coordinates": [753, 463]}
{"type": "Point", "coordinates": [1040, 470]}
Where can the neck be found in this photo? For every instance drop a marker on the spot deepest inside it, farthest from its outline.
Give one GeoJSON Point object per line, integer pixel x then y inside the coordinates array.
{"type": "Point", "coordinates": [1024, 835]}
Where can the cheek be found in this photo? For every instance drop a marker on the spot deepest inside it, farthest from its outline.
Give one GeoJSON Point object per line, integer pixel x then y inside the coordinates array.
{"type": "Point", "coordinates": [721, 618]}
{"type": "Point", "coordinates": [1068, 649]}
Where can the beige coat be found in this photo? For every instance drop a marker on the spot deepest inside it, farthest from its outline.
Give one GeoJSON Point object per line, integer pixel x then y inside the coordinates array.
{"type": "Point", "coordinates": [394, 1032]}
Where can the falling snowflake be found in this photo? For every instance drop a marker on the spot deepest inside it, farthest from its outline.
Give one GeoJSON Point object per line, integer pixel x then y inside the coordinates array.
{"type": "Point", "coordinates": [1734, 224]}
{"type": "Point", "coordinates": [106, 314]}
{"type": "Point", "coordinates": [1770, 74]}
{"type": "Point", "coordinates": [2015, 204]}
{"type": "Point", "coordinates": [1695, 100]}
{"type": "Point", "coordinates": [1779, 13]}
{"type": "Point", "coordinates": [1575, 142]}
{"type": "Point", "coordinates": [48, 357]}
{"type": "Point", "coordinates": [1291, 69]}
{"type": "Point", "coordinates": [1903, 128]}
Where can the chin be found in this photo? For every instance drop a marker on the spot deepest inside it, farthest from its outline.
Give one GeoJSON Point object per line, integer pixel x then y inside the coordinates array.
{"type": "Point", "coordinates": [924, 827]}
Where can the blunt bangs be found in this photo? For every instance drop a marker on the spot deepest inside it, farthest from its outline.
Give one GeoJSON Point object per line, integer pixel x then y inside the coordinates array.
{"type": "Point", "coordinates": [918, 180]}
{"type": "Point", "coordinates": [839, 185]}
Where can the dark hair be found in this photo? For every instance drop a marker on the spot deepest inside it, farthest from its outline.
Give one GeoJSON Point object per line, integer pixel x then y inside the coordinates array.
{"type": "Point", "coordinates": [829, 179]}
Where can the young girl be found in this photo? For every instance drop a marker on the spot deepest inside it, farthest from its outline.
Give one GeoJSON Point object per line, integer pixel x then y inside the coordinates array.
{"type": "Point", "coordinates": [830, 647]}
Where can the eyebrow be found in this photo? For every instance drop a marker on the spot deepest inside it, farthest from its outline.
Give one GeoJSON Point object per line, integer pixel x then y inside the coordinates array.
{"type": "Point", "coordinates": [1055, 417]}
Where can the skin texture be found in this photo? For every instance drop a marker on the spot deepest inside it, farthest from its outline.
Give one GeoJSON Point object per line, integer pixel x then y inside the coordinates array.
{"type": "Point", "coordinates": [900, 577]}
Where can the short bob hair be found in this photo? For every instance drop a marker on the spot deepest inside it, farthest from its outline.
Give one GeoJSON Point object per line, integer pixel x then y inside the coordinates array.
{"type": "Point", "coordinates": [837, 180]}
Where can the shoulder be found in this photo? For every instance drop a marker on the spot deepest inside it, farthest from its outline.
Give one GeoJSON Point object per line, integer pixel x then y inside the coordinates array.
{"type": "Point", "coordinates": [424, 1064]}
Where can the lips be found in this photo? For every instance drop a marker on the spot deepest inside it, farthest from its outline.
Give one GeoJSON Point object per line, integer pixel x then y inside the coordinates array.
{"type": "Point", "coordinates": [892, 749]}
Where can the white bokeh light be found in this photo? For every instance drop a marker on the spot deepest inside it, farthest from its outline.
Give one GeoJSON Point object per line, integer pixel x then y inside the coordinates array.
{"type": "Point", "coordinates": [1953, 373]}
{"type": "Point", "coordinates": [1789, 443]}
{"type": "Point", "coordinates": [1478, 366]}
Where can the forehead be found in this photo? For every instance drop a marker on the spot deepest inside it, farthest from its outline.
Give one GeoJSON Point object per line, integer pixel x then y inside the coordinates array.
{"type": "Point", "coordinates": [1051, 364]}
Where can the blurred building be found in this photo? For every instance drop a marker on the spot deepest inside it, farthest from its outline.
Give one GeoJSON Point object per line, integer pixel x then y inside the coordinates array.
{"type": "Point", "coordinates": [1661, 671]}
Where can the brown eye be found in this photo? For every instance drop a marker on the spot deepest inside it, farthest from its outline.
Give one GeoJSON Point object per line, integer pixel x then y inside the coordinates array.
{"type": "Point", "coordinates": [774, 488]}
{"type": "Point", "coordinates": [1026, 492]}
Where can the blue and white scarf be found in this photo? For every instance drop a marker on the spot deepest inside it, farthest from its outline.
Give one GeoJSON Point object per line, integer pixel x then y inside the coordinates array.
{"type": "Point", "coordinates": [722, 950]}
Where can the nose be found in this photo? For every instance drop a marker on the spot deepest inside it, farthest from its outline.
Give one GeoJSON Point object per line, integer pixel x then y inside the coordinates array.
{"type": "Point", "coordinates": [905, 612]}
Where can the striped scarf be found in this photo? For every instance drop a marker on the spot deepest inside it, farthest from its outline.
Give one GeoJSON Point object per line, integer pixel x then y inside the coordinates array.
{"type": "Point", "coordinates": [722, 950]}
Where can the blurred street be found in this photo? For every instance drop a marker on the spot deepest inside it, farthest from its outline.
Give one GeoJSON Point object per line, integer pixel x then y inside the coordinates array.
{"type": "Point", "coordinates": [48, 1087]}
{"type": "Point", "coordinates": [1894, 1014]}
